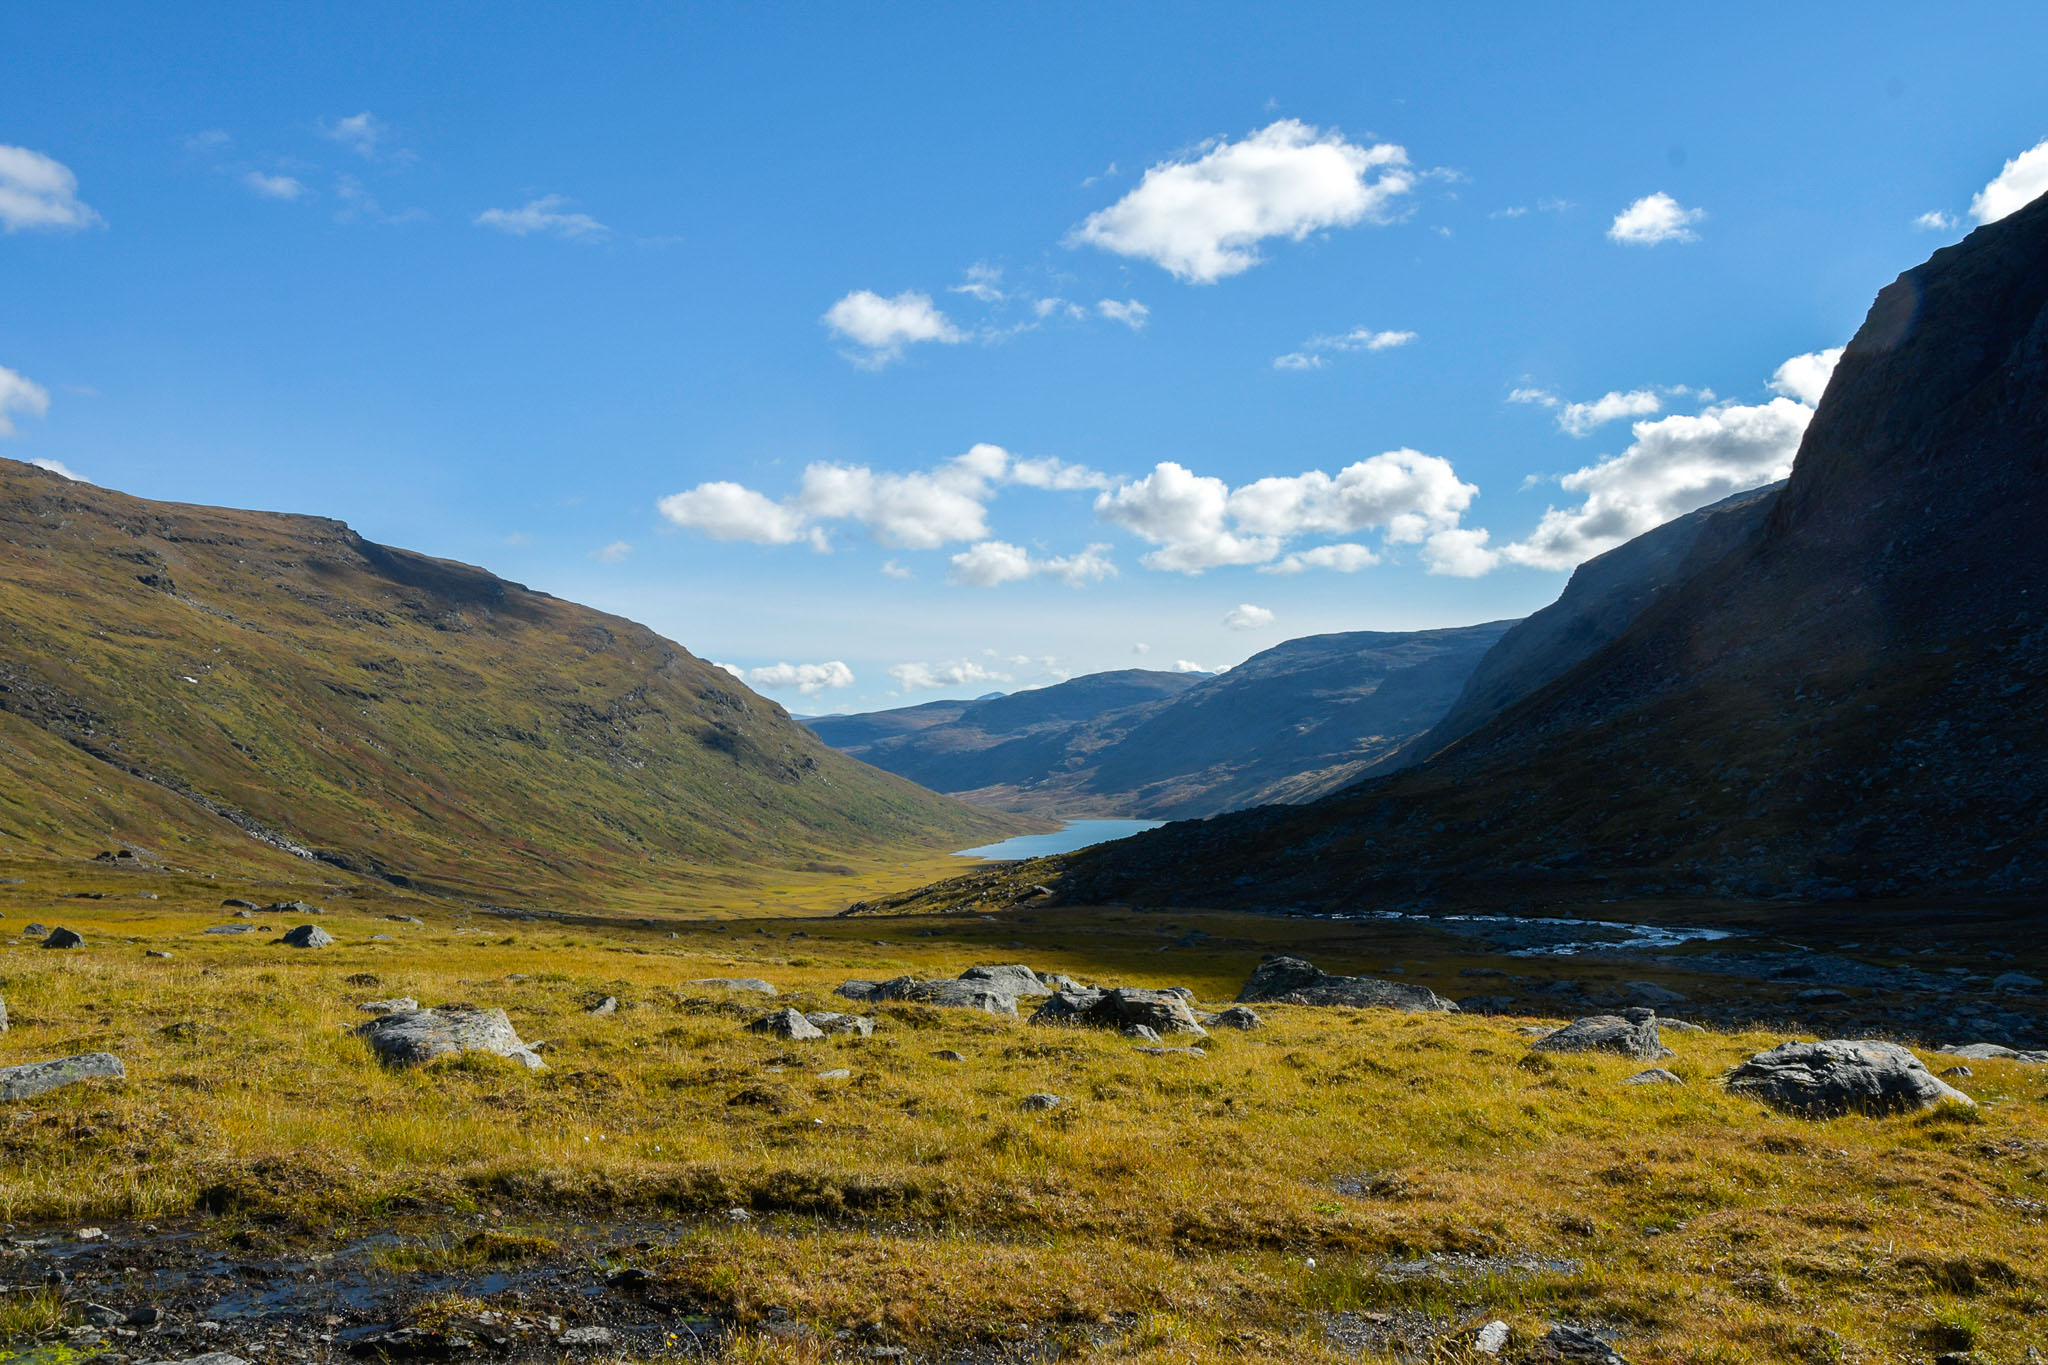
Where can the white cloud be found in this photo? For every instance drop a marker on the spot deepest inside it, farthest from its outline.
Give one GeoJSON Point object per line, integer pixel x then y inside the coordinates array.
{"type": "Point", "coordinates": [37, 191]}
{"type": "Point", "coordinates": [808, 679]}
{"type": "Point", "coordinates": [1310, 356]}
{"type": "Point", "coordinates": [922, 510]}
{"type": "Point", "coordinates": [1674, 465]}
{"type": "Point", "coordinates": [1934, 220]}
{"type": "Point", "coordinates": [614, 553]}
{"type": "Point", "coordinates": [272, 186]}
{"type": "Point", "coordinates": [1655, 218]}
{"type": "Point", "coordinates": [358, 205]}
{"type": "Point", "coordinates": [1340, 558]}
{"type": "Point", "coordinates": [2024, 179]}
{"type": "Point", "coordinates": [1130, 312]}
{"type": "Point", "coordinates": [1141, 648]}
{"type": "Point", "coordinates": [921, 677]}
{"type": "Point", "coordinates": [1200, 523]}
{"type": "Point", "coordinates": [1579, 419]}
{"type": "Point", "coordinates": [549, 216]}
{"type": "Point", "coordinates": [984, 283]}
{"type": "Point", "coordinates": [59, 467]}
{"type": "Point", "coordinates": [1245, 616]}
{"type": "Point", "coordinates": [1203, 219]}
{"type": "Point", "coordinates": [1805, 377]}
{"type": "Point", "coordinates": [1188, 666]}
{"type": "Point", "coordinates": [364, 134]}
{"type": "Point", "coordinates": [883, 327]}
{"type": "Point", "coordinates": [891, 569]}
{"type": "Point", "coordinates": [992, 563]}
{"type": "Point", "coordinates": [20, 394]}
{"type": "Point", "coordinates": [1057, 307]}
{"type": "Point", "coordinates": [1460, 552]}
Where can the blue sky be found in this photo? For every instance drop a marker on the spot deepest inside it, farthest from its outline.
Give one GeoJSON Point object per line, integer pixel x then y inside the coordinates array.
{"type": "Point", "coordinates": [894, 352]}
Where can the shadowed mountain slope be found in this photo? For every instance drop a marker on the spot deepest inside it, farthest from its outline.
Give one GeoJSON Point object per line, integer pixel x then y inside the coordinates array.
{"type": "Point", "coordinates": [1849, 701]}
{"type": "Point", "coordinates": [273, 686]}
{"type": "Point", "coordinates": [1300, 719]}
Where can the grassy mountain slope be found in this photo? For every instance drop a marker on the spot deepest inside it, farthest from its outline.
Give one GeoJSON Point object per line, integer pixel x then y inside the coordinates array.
{"type": "Point", "coordinates": [1846, 703]}
{"type": "Point", "coordinates": [1303, 718]}
{"type": "Point", "coordinates": [255, 681]}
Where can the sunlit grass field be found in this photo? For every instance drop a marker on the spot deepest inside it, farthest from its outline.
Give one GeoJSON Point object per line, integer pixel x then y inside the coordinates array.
{"type": "Point", "coordinates": [1174, 1208]}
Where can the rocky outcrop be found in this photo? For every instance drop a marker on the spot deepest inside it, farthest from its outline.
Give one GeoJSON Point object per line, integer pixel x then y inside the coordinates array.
{"type": "Point", "coordinates": [1284, 980]}
{"type": "Point", "coordinates": [1822, 1080]}
{"type": "Point", "coordinates": [734, 983]}
{"type": "Point", "coordinates": [1633, 1033]}
{"type": "Point", "coordinates": [945, 994]}
{"type": "Point", "coordinates": [789, 1024]}
{"type": "Point", "coordinates": [63, 938]}
{"type": "Point", "coordinates": [415, 1037]}
{"type": "Point", "coordinates": [40, 1078]}
{"type": "Point", "coordinates": [842, 1025]}
{"type": "Point", "coordinates": [1014, 979]}
{"type": "Point", "coordinates": [307, 936]}
{"type": "Point", "coordinates": [1125, 1007]}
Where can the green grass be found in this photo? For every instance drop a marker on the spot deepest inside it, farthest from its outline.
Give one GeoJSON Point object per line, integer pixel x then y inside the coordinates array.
{"type": "Point", "coordinates": [1169, 1211]}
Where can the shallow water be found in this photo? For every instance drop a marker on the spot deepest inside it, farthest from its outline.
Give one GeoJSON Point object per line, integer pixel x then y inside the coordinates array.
{"type": "Point", "coordinates": [1077, 834]}
{"type": "Point", "coordinates": [1541, 936]}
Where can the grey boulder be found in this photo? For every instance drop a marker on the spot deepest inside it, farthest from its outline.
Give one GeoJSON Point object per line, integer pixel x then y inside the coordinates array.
{"type": "Point", "coordinates": [307, 936]}
{"type": "Point", "coordinates": [1014, 979]}
{"type": "Point", "coordinates": [27, 1081]}
{"type": "Point", "coordinates": [1576, 1344]}
{"type": "Point", "coordinates": [1993, 1052]}
{"type": "Point", "coordinates": [735, 983]}
{"type": "Point", "coordinates": [1656, 1075]}
{"type": "Point", "coordinates": [63, 938]}
{"type": "Point", "coordinates": [1633, 1034]}
{"type": "Point", "coordinates": [844, 1025]}
{"type": "Point", "coordinates": [1041, 1101]}
{"type": "Point", "coordinates": [1285, 980]}
{"type": "Point", "coordinates": [413, 1037]}
{"type": "Point", "coordinates": [1122, 1008]}
{"type": "Point", "coordinates": [789, 1024]}
{"type": "Point", "coordinates": [402, 1003]}
{"type": "Point", "coordinates": [1237, 1017]}
{"type": "Point", "coordinates": [966, 995]}
{"type": "Point", "coordinates": [1820, 1080]}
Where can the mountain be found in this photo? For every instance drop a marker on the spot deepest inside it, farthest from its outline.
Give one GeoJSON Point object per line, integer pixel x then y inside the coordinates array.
{"type": "Point", "coordinates": [1847, 701]}
{"type": "Point", "coordinates": [267, 687]}
{"type": "Point", "coordinates": [1303, 718]}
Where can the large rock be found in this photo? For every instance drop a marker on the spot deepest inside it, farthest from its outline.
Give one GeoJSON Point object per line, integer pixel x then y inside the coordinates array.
{"type": "Point", "coordinates": [735, 983]}
{"type": "Point", "coordinates": [846, 1025]}
{"type": "Point", "coordinates": [63, 938]}
{"type": "Point", "coordinates": [1976, 1052]}
{"type": "Point", "coordinates": [1125, 1007]}
{"type": "Point", "coordinates": [1241, 1017]}
{"type": "Point", "coordinates": [39, 1078]}
{"type": "Point", "coordinates": [1819, 1080]}
{"type": "Point", "coordinates": [789, 1024]}
{"type": "Point", "coordinates": [1014, 978]}
{"type": "Point", "coordinates": [1285, 980]}
{"type": "Point", "coordinates": [1633, 1034]}
{"type": "Point", "coordinates": [403, 1002]}
{"type": "Point", "coordinates": [412, 1037]}
{"type": "Point", "coordinates": [949, 994]}
{"type": "Point", "coordinates": [307, 936]}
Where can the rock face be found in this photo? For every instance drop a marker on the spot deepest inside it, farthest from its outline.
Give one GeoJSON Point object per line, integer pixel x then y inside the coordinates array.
{"type": "Point", "coordinates": [63, 938]}
{"type": "Point", "coordinates": [1820, 1080]}
{"type": "Point", "coordinates": [1631, 1035]}
{"type": "Point", "coordinates": [1125, 1007]}
{"type": "Point", "coordinates": [307, 936]}
{"type": "Point", "coordinates": [413, 1037]}
{"type": "Point", "coordinates": [39, 1078]}
{"type": "Point", "coordinates": [786, 1024]}
{"type": "Point", "coordinates": [1284, 980]}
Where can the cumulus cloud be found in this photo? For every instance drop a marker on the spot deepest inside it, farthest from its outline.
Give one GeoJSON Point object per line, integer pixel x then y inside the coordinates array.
{"type": "Point", "coordinates": [1655, 218]}
{"type": "Point", "coordinates": [921, 677]}
{"type": "Point", "coordinates": [60, 468]}
{"type": "Point", "coordinates": [1934, 220]}
{"type": "Point", "coordinates": [20, 394]}
{"type": "Point", "coordinates": [1312, 352]}
{"type": "Point", "coordinates": [2024, 179]}
{"type": "Point", "coordinates": [891, 569]}
{"type": "Point", "coordinates": [808, 679]}
{"type": "Point", "coordinates": [992, 563]}
{"type": "Point", "coordinates": [364, 134]}
{"type": "Point", "coordinates": [1203, 219]}
{"type": "Point", "coordinates": [1130, 312]}
{"type": "Point", "coordinates": [1579, 419]}
{"type": "Point", "coordinates": [37, 191]}
{"type": "Point", "coordinates": [883, 327]}
{"type": "Point", "coordinates": [614, 553]}
{"type": "Point", "coordinates": [1245, 616]}
{"type": "Point", "coordinates": [547, 216]}
{"type": "Point", "coordinates": [1188, 666]}
{"type": "Point", "coordinates": [1341, 558]}
{"type": "Point", "coordinates": [1805, 377]}
{"type": "Point", "coordinates": [983, 282]}
{"type": "Point", "coordinates": [1460, 552]}
{"type": "Point", "coordinates": [921, 510]}
{"type": "Point", "coordinates": [1199, 522]}
{"type": "Point", "coordinates": [272, 186]}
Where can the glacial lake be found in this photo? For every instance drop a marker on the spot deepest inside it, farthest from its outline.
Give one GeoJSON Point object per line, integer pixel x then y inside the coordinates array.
{"type": "Point", "coordinates": [1077, 834]}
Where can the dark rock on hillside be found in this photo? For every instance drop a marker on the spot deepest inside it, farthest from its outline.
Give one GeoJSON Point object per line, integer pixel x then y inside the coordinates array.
{"type": "Point", "coordinates": [1844, 704]}
{"type": "Point", "coordinates": [1303, 718]}
{"type": "Point", "coordinates": [1821, 1080]}
{"type": "Point", "coordinates": [307, 936]}
{"type": "Point", "coordinates": [63, 938]}
{"type": "Point", "coordinates": [1285, 980]}
{"type": "Point", "coordinates": [1124, 1007]}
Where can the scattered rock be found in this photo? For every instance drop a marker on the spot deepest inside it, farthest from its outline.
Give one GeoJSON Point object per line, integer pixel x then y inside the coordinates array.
{"type": "Point", "coordinates": [1656, 1075]}
{"type": "Point", "coordinates": [404, 919]}
{"type": "Point", "coordinates": [1040, 1101]}
{"type": "Point", "coordinates": [402, 1003]}
{"type": "Point", "coordinates": [948, 994]}
{"type": "Point", "coordinates": [1288, 980]}
{"type": "Point", "coordinates": [1013, 979]}
{"type": "Point", "coordinates": [1124, 1007]}
{"type": "Point", "coordinates": [62, 938]}
{"type": "Point", "coordinates": [735, 983]}
{"type": "Point", "coordinates": [237, 903]}
{"type": "Point", "coordinates": [2015, 981]}
{"type": "Point", "coordinates": [40, 1078]}
{"type": "Point", "coordinates": [308, 936]}
{"type": "Point", "coordinates": [1632, 1034]}
{"type": "Point", "coordinates": [1237, 1016]}
{"type": "Point", "coordinates": [586, 1339]}
{"type": "Point", "coordinates": [608, 1005]}
{"type": "Point", "coordinates": [1144, 1033]}
{"type": "Point", "coordinates": [837, 1073]}
{"type": "Point", "coordinates": [788, 1024]}
{"type": "Point", "coordinates": [99, 1315]}
{"type": "Point", "coordinates": [949, 1055]}
{"type": "Point", "coordinates": [1993, 1052]}
{"type": "Point", "coordinates": [1173, 1051]}
{"type": "Point", "coordinates": [1819, 1080]}
{"type": "Point", "coordinates": [34, 930]}
{"type": "Point", "coordinates": [231, 929]}
{"type": "Point", "coordinates": [1492, 1338]}
{"type": "Point", "coordinates": [1578, 1345]}
{"type": "Point", "coordinates": [1955, 1073]}
{"type": "Point", "coordinates": [854, 1025]}
{"type": "Point", "coordinates": [412, 1037]}
{"type": "Point", "coordinates": [1679, 1025]}
{"type": "Point", "coordinates": [152, 952]}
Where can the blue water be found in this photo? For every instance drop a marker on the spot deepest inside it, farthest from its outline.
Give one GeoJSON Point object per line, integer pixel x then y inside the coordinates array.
{"type": "Point", "coordinates": [1077, 834]}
